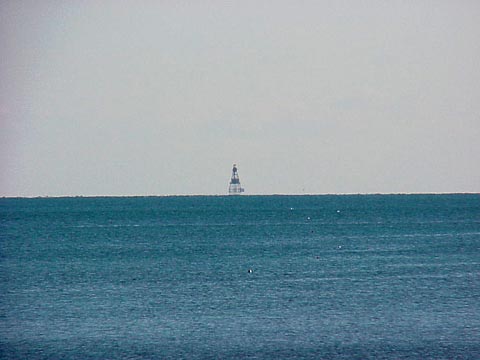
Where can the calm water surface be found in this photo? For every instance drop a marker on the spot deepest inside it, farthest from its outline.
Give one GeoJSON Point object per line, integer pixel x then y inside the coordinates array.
{"type": "Point", "coordinates": [333, 277]}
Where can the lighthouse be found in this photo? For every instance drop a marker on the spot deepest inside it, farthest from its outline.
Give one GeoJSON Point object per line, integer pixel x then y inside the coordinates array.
{"type": "Point", "coordinates": [234, 187]}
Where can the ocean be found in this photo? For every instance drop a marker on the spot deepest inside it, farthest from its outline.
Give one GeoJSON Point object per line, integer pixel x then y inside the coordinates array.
{"type": "Point", "coordinates": [240, 277]}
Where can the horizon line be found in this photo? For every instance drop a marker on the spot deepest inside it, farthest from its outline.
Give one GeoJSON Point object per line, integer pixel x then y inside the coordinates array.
{"type": "Point", "coordinates": [226, 195]}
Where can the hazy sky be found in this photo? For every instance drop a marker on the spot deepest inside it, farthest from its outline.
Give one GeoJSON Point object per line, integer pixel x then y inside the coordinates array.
{"type": "Point", "coordinates": [162, 97]}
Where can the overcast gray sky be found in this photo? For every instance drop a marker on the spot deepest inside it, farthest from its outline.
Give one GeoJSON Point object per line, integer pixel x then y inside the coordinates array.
{"type": "Point", "coordinates": [162, 97]}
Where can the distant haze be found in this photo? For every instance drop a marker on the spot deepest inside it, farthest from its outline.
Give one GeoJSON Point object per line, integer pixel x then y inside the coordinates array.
{"type": "Point", "coordinates": [162, 97]}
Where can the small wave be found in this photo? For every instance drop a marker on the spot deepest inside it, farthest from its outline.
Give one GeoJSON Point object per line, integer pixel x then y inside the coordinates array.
{"type": "Point", "coordinates": [103, 225]}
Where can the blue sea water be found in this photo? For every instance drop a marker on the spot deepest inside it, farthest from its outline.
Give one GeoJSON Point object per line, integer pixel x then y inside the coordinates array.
{"type": "Point", "coordinates": [332, 277]}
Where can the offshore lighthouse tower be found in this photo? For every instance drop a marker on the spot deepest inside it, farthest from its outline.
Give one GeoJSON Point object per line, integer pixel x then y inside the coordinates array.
{"type": "Point", "coordinates": [235, 188]}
